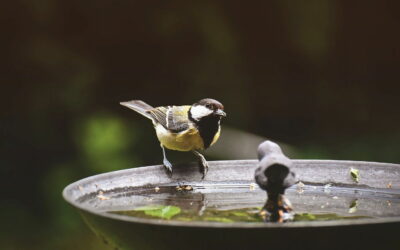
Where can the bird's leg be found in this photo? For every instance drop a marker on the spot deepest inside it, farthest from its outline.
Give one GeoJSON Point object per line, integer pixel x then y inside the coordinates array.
{"type": "Point", "coordinates": [203, 163]}
{"type": "Point", "coordinates": [166, 163]}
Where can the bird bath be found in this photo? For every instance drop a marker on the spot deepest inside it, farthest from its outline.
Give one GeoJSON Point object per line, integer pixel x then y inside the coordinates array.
{"type": "Point", "coordinates": [349, 214]}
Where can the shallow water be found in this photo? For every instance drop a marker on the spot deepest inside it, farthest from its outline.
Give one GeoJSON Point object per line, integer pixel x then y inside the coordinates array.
{"type": "Point", "coordinates": [249, 215]}
{"type": "Point", "coordinates": [241, 202]}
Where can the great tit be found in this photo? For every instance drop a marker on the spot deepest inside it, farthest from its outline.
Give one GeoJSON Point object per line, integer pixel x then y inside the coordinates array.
{"type": "Point", "coordinates": [184, 128]}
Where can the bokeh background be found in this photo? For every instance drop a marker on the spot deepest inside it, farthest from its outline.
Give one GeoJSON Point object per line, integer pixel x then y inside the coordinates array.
{"type": "Point", "coordinates": [321, 76]}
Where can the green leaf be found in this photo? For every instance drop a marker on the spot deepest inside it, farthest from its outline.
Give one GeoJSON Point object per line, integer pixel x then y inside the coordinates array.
{"type": "Point", "coordinates": [304, 217]}
{"type": "Point", "coordinates": [218, 219]}
{"type": "Point", "coordinates": [354, 174]}
{"type": "Point", "coordinates": [164, 212]}
{"type": "Point", "coordinates": [353, 206]}
{"type": "Point", "coordinates": [324, 217]}
{"type": "Point", "coordinates": [240, 214]}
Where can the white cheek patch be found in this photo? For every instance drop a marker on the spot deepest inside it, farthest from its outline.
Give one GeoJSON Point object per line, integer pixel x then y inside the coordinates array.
{"type": "Point", "coordinates": [199, 112]}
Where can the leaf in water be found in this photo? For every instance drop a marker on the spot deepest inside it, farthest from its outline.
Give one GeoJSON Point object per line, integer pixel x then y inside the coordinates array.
{"type": "Point", "coordinates": [240, 214]}
{"type": "Point", "coordinates": [218, 219]}
{"type": "Point", "coordinates": [354, 174]}
{"type": "Point", "coordinates": [304, 217]}
{"type": "Point", "coordinates": [164, 212]}
{"type": "Point", "coordinates": [324, 217]}
{"type": "Point", "coordinates": [353, 206]}
{"type": "Point", "coordinates": [244, 216]}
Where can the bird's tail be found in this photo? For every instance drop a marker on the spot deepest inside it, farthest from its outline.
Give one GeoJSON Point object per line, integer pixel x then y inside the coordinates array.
{"type": "Point", "coordinates": [139, 106]}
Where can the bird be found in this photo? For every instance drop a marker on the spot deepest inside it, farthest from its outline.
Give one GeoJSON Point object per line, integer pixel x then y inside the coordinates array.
{"type": "Point", "coordinates": [193, 127]}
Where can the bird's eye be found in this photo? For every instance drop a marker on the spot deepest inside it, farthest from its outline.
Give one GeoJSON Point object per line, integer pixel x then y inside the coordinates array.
{"type": "Point", "coordinates": [209, 106]}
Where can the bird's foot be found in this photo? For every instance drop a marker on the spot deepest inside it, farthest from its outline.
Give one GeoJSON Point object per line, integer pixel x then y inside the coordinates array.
{"type": "Point", "coordinates": [203, 163]}
{"type": "Point", "coordinates": [204, 167]}
{"type": "Point", "coordinates": [168, 167]}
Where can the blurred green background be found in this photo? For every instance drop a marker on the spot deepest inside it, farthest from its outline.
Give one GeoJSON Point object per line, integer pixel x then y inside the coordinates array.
{"type": "Point", "coordinates": [321, 76]}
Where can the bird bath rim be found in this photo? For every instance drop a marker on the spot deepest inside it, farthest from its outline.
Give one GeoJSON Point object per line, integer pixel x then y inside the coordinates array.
{"type": "Point", "coordinates": [189, 174]}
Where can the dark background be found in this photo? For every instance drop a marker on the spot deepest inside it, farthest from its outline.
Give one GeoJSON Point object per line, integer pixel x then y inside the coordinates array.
{"type": "Point", "coordinates": [321, 76]}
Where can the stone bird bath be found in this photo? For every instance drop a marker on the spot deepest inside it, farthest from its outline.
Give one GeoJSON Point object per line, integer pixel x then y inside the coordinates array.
{"type": "Point", "coordinates": [325, 186]}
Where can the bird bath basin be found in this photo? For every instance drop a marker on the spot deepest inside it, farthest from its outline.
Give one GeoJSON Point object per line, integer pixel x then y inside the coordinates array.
{"type": "Point", "coordinates": [333, 210]}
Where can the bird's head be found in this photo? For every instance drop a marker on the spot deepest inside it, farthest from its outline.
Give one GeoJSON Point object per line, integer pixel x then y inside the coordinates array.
{"type": "Point", "coordinates": [207, 108]}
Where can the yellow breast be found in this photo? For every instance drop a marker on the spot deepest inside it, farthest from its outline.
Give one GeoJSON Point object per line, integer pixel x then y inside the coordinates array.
{"type": "Point", "coordinates": [184, 141]}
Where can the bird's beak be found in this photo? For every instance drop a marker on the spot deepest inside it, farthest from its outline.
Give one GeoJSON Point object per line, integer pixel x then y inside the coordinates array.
{"type": "Point", "coordinates": [220, 112]}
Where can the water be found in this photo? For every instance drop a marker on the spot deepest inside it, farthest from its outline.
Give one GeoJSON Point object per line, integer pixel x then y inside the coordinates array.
{"type": "Point", "coordinates": [249, 215]}
{"type": "Point", "coordinates": [230, 203]}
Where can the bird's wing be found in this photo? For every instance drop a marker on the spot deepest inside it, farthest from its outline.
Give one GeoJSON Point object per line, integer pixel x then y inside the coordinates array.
{"type": "Point", "coordinates": [173, 118]}
{"type": "Point", "coordinates": [178, 118]}
{"type": "Point", "coordinates": [159, 115]}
